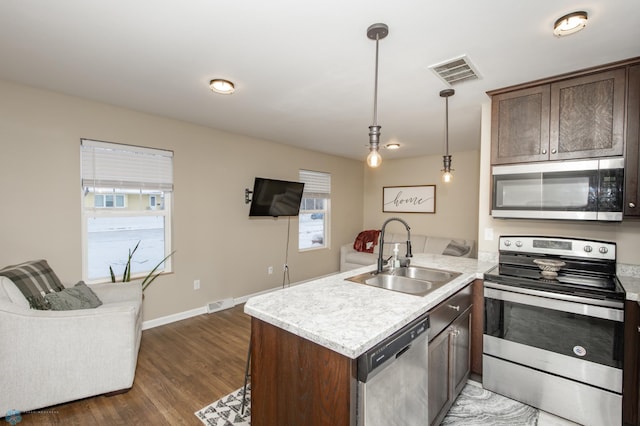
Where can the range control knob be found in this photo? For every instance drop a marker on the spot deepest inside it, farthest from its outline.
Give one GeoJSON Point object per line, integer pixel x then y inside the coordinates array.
{"type": "Point", "coordinates": [603, 250]}
{"type": "Point", "coordinates": [518, 243]}
{"type": "Point", "coordinates": [588, 249]}
{"type": "Point", "coordinates": [507, 243]}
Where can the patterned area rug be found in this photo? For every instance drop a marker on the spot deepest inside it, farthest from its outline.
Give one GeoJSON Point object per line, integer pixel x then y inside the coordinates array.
{"type": "Point", "coordinates": [477, 406]}
{"type": "Point", "coordinates": [474, 406]}
{"type": "Point", "coordinates": [226, 410]}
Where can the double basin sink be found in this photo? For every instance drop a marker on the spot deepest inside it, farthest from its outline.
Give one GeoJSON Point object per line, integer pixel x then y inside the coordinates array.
{"type": "Point", "coordinates": [408, 279]}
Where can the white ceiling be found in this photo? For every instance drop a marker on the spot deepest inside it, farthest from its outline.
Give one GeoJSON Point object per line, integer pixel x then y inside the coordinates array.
{"type": "Point", "coordinates": [304, 70]}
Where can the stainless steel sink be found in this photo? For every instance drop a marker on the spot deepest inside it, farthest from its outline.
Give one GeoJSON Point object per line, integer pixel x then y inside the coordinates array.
{"type": "Point", "coordinates": [434, 275]}
{"type": "Point", "coordinates": [411, 279]}
{"type": "Point", "coordinates": [399, 283]}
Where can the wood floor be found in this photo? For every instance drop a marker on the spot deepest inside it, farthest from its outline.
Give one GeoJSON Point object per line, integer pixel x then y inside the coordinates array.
{"type": "Point", "coordinates": [182, 367]}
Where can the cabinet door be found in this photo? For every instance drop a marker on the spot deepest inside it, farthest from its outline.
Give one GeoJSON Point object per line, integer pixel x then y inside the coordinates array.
{"type": "Point", "coordinates": [587, 116]}
{"type": "Point", "coordinates": [631, 368]}
{"type": "Point", "coordinates": [439, 391]}
{"type": "Point", "coordinates": [461, 343]}
{"type": "Point", "coordinates": [520, 126]}
{"type": "Point", "coordinates": [632, 157]}
{"type": "Point", "coordinates": [449, 365]}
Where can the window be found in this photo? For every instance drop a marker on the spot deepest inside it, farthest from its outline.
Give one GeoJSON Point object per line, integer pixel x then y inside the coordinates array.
{"type": "Point", "coordinates": [126, 198]}
{"type": "Point", "coordinates": [109, 201]}
{"type": "Point", "coordinates": [313, 223]}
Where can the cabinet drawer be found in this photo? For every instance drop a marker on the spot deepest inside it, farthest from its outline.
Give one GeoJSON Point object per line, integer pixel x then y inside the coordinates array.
{"type": "Point", "coordinates": [446, 312]}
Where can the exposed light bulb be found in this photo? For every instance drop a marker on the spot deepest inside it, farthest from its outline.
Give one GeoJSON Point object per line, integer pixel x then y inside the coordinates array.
{"type": "Point", "coordinates": [374, 159]}
{"type": "Point", "coordinates": [447, 176]}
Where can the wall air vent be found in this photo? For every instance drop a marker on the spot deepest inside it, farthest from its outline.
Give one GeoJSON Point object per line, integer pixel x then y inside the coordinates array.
{"type": "Point", "coordinates": [455, 70]}
{"type": "Point", "coordinates": [220, 305]}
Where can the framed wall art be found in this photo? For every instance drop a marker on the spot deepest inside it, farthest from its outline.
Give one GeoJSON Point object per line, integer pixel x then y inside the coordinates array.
{"type": "Point", "coordinates": [409, 199]}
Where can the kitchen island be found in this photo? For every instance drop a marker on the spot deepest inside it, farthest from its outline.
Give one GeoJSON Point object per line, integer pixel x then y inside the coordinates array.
{"type": "Point", "coordinates": [306, 339]}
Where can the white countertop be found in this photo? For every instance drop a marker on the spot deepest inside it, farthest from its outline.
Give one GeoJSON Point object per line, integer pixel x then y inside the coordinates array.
{"type": "Point", "coordinates": [350, 318]}
{"type": "Point", "coordinates": [631, 285]}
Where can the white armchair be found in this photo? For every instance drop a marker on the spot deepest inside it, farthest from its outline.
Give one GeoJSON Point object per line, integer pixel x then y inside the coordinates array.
{"type": "Point", "coordinates": [52, 357]}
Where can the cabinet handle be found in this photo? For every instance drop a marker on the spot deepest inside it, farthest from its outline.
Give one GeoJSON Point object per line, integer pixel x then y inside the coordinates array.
{"type": "Point", "coordinates": [632, 205]}
{"type": "Point", "coordinates": [553, 151]}
{"type": "Point", "coordinates": [455, 332]}
{"type": "Point", "coordinates": [544, 151]}
{"type": "Point", "coordinates": [454, 307]}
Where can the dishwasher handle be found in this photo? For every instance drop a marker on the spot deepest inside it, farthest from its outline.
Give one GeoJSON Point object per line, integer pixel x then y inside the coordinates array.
{"type": "Point", "coordinates": [402, 351]}
{"type": "Point", "coordinates": [376, 358]}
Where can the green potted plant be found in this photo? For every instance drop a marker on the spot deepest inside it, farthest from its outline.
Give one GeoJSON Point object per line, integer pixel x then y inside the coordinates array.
{"type": "Point", "coordinates": [126, 275]}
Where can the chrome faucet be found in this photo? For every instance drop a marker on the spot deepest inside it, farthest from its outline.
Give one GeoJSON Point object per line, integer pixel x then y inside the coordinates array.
{"type": "Point", "coordinates": [384, 225]}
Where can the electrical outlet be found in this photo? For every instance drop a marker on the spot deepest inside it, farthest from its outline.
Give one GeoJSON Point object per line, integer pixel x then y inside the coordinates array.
{"type": "Point", "coordinates": [488, 234]}
{"type": "Point", "coordinates": [196, 284]}
{"type": "Point", "coordinates": [270, 270]}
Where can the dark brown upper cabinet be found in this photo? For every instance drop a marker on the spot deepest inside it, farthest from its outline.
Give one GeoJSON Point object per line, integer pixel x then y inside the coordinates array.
{"type": "Point", "coordinates": [520, 125]}
{"type": "Point", "coordinates": [632, 156]}
{"type": "Point", "coordinates": [587, 116]}
{"type": "Point", "coordinates": [579, 116]}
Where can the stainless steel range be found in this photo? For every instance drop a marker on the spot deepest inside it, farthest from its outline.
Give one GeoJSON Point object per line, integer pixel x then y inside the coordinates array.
{"type": "Point", "coordinates": [553, 338]}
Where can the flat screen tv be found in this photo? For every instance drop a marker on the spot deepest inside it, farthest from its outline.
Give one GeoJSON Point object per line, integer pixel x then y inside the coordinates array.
{"type": "Point", "coordinates": [275, 198]}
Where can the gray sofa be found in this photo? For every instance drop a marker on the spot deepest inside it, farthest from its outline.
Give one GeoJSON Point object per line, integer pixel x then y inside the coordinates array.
{"type": "Point", "coordinates": [352, 259]}
{"type": "Point", "coordinates": [51, 357]}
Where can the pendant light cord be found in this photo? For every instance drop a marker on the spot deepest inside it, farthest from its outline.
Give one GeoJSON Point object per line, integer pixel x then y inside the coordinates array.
{"type": "Point", "coordinates": [446, 126]}
{"type": "Point", "coordinates": [375, 87]}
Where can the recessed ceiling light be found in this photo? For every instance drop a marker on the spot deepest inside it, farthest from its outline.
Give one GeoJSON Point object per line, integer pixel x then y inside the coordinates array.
{"type": "Point", "coordinates": [224, 87]}
{"type": "Point", "coordinates": [570, 23]}
{"type": "Point", "coordinates": [392, 146]}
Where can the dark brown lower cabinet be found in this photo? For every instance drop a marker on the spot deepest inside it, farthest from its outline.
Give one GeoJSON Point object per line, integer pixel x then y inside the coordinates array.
{"type": "Point", "coordinates": [449, 366]}
{"type": "Point", "coordinates": [631, 369]}
{"type": "Point", "coordinates": [477, 327]}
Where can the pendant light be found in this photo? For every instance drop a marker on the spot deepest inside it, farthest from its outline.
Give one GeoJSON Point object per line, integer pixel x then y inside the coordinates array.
{"type": "Point", "coordinates": [446, 171]}
{"type": "Point", "coordinates": [375, 32]}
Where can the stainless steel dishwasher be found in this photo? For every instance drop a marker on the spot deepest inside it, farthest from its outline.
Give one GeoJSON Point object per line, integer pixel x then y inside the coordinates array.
{"type": "Point", "coordinates": [393, 379]}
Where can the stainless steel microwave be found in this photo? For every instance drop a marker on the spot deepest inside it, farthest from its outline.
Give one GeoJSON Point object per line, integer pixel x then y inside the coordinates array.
{"type": "Point", "coordinates": [570, 190]}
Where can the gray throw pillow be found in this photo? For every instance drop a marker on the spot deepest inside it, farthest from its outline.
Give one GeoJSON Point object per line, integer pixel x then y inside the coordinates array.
{"type": "Point", "coordinates": [78, 297]}
{"type": "Point", "coordinates": [456, 248]}
{"type": "Point", "coordinates": [34, 279]}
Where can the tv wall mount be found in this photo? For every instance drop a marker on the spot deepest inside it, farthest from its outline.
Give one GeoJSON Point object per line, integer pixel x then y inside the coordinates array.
{"type": "Point", "coordinates": [247, 196]}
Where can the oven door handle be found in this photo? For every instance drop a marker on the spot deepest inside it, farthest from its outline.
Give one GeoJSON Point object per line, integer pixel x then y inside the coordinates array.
{"type": "Point", "coordinates": [551, 303]}
{"type": "Point", "coordinates": [608, 303]}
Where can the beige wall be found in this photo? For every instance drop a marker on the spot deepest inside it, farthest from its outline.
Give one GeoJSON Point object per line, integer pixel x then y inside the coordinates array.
{"type": "Point", "coordinates": [456, 202]}
{"type": "Point", "coordinates": [626, 234]}
{"type": "Point", "coordinates": [214, 239]}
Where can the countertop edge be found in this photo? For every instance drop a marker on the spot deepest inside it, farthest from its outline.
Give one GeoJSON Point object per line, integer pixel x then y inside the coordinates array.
{"type": "Point", "coordinates": [631, 286]}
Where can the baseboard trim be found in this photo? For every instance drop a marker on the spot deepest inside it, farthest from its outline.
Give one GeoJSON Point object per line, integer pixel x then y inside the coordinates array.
{"type": "Point", "coordinates": [157, 322]}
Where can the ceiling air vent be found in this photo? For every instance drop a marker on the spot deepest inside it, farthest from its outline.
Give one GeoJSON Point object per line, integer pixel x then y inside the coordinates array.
{"type": "Point", "coordinates": [455, 70]}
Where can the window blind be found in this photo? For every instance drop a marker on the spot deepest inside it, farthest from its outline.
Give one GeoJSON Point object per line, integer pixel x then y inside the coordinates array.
{"type": "Point", "coordinates": [316, 184]}
{"type": "Point", "coordinates": [111, 165]}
